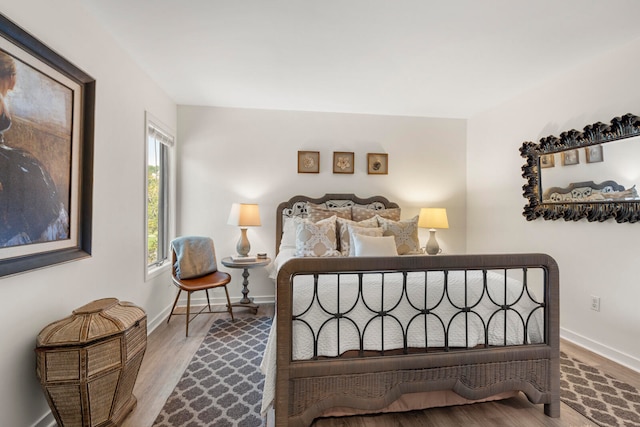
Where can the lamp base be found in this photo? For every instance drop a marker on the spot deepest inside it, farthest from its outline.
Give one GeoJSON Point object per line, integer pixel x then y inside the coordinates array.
{"type": "Point", "coordinates": [243, 247]}
{"type": "Point", "coordinates": [432, 247]}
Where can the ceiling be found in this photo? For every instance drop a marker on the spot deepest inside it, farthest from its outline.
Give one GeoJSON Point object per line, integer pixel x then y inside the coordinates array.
{"type": "Point", "coordinates": [434, 58]}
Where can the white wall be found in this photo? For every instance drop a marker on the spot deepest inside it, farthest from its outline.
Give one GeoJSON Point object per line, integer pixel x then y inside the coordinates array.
{"type": "Point", "coordinates": [244, 155]}
{"type": "Point", "coordinates": [233, 155]}
{"type": "Point", "coordinates": [34, 299]}
{"type": "Point", "coordinates": [598, 259]}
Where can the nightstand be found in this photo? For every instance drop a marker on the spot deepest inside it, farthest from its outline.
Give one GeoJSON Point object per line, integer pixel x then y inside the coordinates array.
{"type": "Point", "coordinates": [246, 302]}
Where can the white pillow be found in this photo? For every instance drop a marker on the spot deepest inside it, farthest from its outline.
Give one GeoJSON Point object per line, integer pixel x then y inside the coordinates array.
{"type": "Point", "coordinates": [288, 239]}
{"type": "Point", "coordinates": [343, 232]}
{"type": "Point", "coordinates": [316, 239]}
{"type": "Point", "coordinates": [362, 231]}
{"type": "Point", "coordinates": [374, 246]}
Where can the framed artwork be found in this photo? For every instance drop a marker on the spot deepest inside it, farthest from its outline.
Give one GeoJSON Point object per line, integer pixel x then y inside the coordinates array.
{"type": "Point", "coordinates": [547, 161]}
{"type": "Point", "coordinates": [377, 163]}
{"type": "Point", "coordinates": [342, 162]}
{"type": "Point", "coordinates": [46, 155]}
{"type": "Point", "coordinates": [570, 157]}
{"type": "Point", "coordinates": [594, 154]}
{"type": "Point", "coordinates": [308, 162]}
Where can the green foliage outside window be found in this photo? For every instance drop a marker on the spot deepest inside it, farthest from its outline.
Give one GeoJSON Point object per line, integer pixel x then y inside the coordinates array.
{"type": "Point", "coordinates": [158, 147]}
{"type": "Point", "coordinates": [153, 194]}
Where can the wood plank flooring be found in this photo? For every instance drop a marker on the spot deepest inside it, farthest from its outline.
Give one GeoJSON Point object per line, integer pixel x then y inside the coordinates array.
{"type": "Point", "coordinates": [169, 352]}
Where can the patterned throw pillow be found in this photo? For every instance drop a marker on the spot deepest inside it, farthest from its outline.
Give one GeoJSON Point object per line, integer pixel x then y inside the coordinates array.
{"type": "Point", "coordinates": [405, 233]}
{"type": "Point", "coordinates": [360, 214]}
{"type": "Point", "coordinates": [343, 232]}
{"type": "Point", "coordinates": [317, 212]}
{"type": "Point", "coordinates": [361, 231]}
{"type": "Point", "coordinates": [316, 239]}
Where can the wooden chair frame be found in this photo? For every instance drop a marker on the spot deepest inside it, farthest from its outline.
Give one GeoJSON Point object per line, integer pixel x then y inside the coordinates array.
{"type": "Point", "coordinates": [210, 281]}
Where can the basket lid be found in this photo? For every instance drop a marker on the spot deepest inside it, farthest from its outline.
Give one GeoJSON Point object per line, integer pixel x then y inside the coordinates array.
{"type": "Point", "coordinates": [92, 321]}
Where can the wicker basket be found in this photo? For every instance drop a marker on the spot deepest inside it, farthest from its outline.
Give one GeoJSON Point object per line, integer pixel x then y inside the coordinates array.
{"type": "Point", "coordinates": [87, 363]}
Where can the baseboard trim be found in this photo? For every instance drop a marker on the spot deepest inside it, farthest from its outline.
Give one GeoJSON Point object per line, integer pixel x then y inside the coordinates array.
{"type": "Point", "coordinates": [601, 349]}
{"type": "Point", "coordinates": [47, 420]}
{"type": "Point", "coordinates": [200, 301]}
{"type": "Point", "coordinates": [157, 320]}
{"type": "Point", "coordinates": [222, 301]}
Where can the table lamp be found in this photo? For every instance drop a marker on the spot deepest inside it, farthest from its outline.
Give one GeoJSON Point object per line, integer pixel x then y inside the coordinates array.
{"type": "Point", "coordinates": [244, 215]}
{"type": "Point", "coordinates": [433, 218]}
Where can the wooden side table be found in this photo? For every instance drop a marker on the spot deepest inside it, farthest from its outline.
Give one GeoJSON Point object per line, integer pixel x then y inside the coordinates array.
{"type": "Point", "coordinates": [245, 302]}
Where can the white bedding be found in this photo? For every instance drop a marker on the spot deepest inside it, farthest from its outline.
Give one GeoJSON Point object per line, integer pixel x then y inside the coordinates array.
{"type": "Point", "coordinates": [404, 306]}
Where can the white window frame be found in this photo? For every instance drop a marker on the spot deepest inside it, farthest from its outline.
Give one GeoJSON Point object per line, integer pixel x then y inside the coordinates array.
{"type": "Point", "coordinates": [168, 139]}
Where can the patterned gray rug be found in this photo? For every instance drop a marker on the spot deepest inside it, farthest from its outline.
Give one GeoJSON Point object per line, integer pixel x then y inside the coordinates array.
{"type": "Point", "coordinates": [222, 386]}
{"type": "Point", "coordinates": [599, 397]}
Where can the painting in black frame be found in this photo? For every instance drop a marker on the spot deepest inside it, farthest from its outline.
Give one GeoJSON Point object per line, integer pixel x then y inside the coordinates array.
{"type": "Point", "coordinates": [47, 127]}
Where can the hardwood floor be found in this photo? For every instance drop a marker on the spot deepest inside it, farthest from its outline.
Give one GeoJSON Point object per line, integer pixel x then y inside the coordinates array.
{"type": "Point", "coordinates": [169, 352]}
{"type": "Point", "coordinates": [167, 356]}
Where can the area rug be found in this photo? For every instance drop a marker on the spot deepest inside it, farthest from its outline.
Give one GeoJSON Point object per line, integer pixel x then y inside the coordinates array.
{"type": "Point", "coordinates": [603, 399]}
{"type": "Point", "coordinates": [222, 386]}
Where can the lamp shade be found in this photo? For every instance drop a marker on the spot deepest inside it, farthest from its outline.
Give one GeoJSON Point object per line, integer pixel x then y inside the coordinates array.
{"type": "Point", "coordinates": [433, 218]}
{"type": "Point", "coordinates": [244, 215]}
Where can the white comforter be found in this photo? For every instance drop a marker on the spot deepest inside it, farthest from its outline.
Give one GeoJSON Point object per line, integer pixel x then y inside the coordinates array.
{"type": "Point", "coordinates": [445, 321]}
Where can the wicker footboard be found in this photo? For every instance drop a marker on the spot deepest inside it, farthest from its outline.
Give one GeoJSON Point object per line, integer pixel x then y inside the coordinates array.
{"type": "Point", "coordinates": [307, 388]}
{"type": "Point", "coordinates": [373, 391]}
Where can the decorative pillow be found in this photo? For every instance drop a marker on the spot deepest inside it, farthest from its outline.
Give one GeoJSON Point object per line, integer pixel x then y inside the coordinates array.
{"type": "Point", "coordinates": [405, 233]}
{"type": "Point", "coordinates": [361, 231]}
{"type": "Point", "coordinates": [288, 239]}
{"type": "Point", "coordinates": [360, 214]}
{"type": "Point", "coordinates": [316, 239]}
{"type": "Point", "coordinates": [317, 212]}
{"type": "Point", "coordinates": [374, 246]}
{"type": "Point", "coordinates": [343, 232]}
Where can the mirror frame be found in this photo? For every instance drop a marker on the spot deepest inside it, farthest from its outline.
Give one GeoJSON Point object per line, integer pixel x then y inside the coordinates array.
{"type": "Point", "coordinates": [620, 128]}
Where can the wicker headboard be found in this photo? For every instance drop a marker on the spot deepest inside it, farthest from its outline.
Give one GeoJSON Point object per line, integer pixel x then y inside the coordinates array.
{"type": "Point", "coordinates": [297, 206]}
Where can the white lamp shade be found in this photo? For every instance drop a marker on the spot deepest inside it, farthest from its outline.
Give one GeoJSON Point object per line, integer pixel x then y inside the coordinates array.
{"type": "Point", "coordinates": [433, 218]}
{"type": "Point", "coordinates": [244, 215]}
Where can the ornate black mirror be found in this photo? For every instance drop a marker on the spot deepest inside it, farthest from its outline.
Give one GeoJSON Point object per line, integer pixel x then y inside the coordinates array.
{"type": "Point", "coordinates": [590, 174]}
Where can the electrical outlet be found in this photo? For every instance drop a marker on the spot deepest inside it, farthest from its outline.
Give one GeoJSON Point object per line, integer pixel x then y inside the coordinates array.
{"type": "Point", "coordinates": [595, 303]}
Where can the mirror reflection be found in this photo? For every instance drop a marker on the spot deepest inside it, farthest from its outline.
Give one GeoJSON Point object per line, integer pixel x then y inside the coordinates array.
{"type": "Point", "coordinates": [598, 173]}
{"type": "Point", "coordinates": [590, 174]}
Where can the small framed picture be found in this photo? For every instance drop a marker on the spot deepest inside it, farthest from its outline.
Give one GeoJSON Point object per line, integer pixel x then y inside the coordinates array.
{"type": "Point", "coordinates": [547, 161]}
{"type": "Point", "coordinates": [377, 163]}
{"type": "Point", "coordinates": [342, 162]}
{"type": "Point", "coordinates": [570, 157]}
{"type": "Point", "coordinates": [594, 154]}
{"type": "Point", "coordinates": [308, 162]}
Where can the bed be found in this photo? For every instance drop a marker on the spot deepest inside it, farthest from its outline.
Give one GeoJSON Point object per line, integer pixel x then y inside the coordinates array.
{"type": "Point", "coordinates": [363, 331]}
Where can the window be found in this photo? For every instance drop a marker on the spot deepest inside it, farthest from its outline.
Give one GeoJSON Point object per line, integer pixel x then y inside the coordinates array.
{"type": "Point", "coordinates": [158, 191]}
